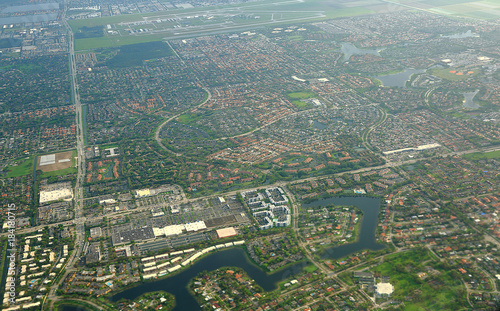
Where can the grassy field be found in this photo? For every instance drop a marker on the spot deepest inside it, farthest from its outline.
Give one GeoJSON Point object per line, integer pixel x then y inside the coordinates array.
{"type": "Point", "coordinates": [441, 290]}
{"type": "Point", "coordinates": [270, 12]}
{"type": "Point", "coordinates": [445, 73]}
{"type": "Point", "coordinates": [114, 41]}
{"type": "Point", "coordinates": [478, 156]}
{"type": "Point", "coordinates": [66, 171]}
{"type": "Point", "coordinates": [311, 268]}
{"type": "Point", "coordinates": [24, 167]}
{"type": "Point", "coordinates": [301, 95]}
{"type": "Point", "coordinates": [135, 54]}
{"type": "Point", "coordinates": [188, 118]}
{"type": "Point", "coordinates": [297, 97]}
{"type": "Point", "coordinates": [301, 105]}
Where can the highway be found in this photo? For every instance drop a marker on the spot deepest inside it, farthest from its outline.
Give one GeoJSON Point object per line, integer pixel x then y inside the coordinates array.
{"type": "Point", "coordinates": [79, 220]}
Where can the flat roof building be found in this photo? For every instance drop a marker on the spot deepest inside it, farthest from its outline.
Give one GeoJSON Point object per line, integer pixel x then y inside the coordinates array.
{"type": "Point", "coordinates": [384, 288]}
{"type": "Point", "coordinates": [226, 232]}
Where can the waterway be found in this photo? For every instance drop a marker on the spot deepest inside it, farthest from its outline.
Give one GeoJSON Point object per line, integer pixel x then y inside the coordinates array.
{"type": "Point", "coordinates": [469, 100]}
{"type": "Point", "coordinates": [350, 49]}
{"type": "Point", "coordinates": [398, 79]}
{"type": "Point", "coordinates": [366, 236]}
{"type": "Point", "coordinates": [233, 257]}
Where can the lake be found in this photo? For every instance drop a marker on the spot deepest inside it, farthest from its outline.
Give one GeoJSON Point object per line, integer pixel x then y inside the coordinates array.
{"type": "Point", "coordinates": [469, 100]}
{"type": "Point", "coordinates": [350, 49]}
{"type": "Point", "coordinates": [233, 257]}
{"type": "Point", "coordinates": [366, 236]}
{"type": "Point", "coordinates": [398, 79]}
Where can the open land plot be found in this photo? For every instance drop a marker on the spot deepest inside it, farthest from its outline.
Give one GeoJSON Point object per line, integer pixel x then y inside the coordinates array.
{"type": "Point", "coordinates": [402, 269]}
{"type": "Point", "coordinates": [22, 168]}
{"type": "Point", "coordinates": [301, 95]}
{"type": "Point", "coordinates": [485, 14]}
{"type": "Point", "coordinates": [61, 160]}
{"type": "Point", "coordinates": [102, 42]}
{"type": "Point", "coordinates": [479, 156]}
{"type": "Point", "coordinates": [134, 54]}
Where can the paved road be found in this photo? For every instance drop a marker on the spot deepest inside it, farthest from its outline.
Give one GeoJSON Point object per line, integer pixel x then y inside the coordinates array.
{"type": "Point", "coordinates": [158, 130]}
{"type": "Point", "coordinates": [80, 146]}
{"type": "Point", "coordinates": [81, 219]}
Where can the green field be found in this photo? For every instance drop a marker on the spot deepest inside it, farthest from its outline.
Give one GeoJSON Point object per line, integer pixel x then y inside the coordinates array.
{"type": "Point", "coordinates": [114, 41]}
{"type": "Point", "coordinates": [311, 268]}
{"type": "Point", "coordinates": [24, 167]}
{"type": "Point", "coordinates": [9, 43]}
{"type": "Point", "coordinates": [301, 105]}
{"type": "Point", "coordinates": [445, 73]}
{"type": "Point", "coordinates": [441, 290]}
{"type": "Point", "coordinates": [301, 95]}
{"type": "Point", "coordinates": [479, 156]}
{"type": "Point", "coordinates": [66, 171]}
{"type": "Point", "coordinates": [297, 97]}
{"type": "Point", "coordinates": [89, 32]}
{"type": "Point", "coordinates": [188, 118]}
{"type": "Point", "coordinates": [135, 54]}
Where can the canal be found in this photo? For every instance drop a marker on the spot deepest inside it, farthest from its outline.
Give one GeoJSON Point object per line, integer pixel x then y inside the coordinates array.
{"type": "Point", "coordinates": [233, 257]}
{"type": "Point", "coordinates": [366, 237]}
{"type": "Point", "coordinates": [237, 257]}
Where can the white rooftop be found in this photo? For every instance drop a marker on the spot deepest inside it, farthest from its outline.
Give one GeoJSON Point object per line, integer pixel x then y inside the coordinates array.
{"type": "Point", "coordinates": [47, 159]}
{"type": "Point", "coordinates": [384, 288]}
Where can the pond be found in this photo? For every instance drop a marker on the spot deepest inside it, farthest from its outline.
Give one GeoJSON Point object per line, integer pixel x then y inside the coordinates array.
{"type": "Point", "coordinates": [398, 79]}
{"type": "Point", "coordinates": [469, 100]}
{"type": "Point", "coordinates": [349, 49]}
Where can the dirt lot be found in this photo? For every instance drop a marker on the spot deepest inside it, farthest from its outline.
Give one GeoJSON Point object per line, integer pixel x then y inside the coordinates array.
{"type": "Point", "coordinates": [58, 165]}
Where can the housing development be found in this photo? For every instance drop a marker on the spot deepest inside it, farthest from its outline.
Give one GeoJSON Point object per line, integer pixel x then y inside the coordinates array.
{"type": "Point", "coordinates": [250, 155]}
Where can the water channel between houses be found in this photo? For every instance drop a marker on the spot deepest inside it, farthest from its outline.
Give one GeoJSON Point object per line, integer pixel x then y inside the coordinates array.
{"type": "Point", "coordinates": [237, 257]}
